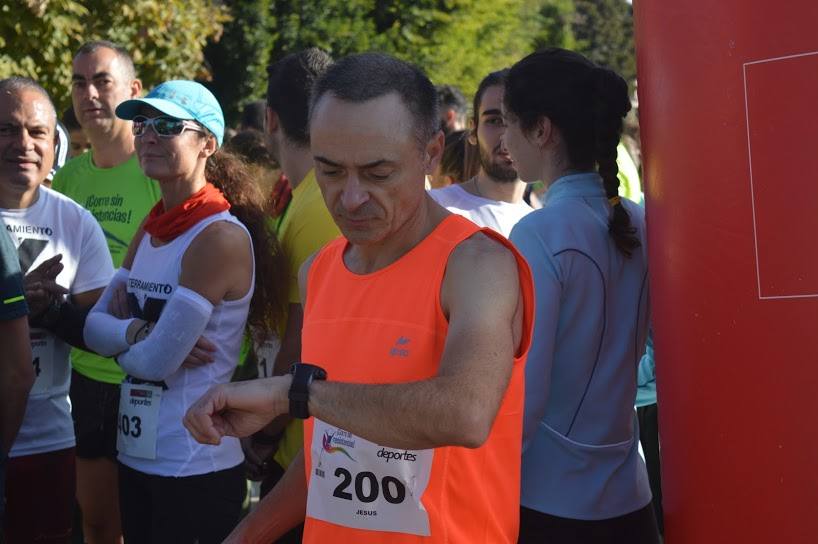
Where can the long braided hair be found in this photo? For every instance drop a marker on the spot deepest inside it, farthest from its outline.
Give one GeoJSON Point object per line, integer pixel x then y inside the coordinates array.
{"type": "Point", "coordinates": [587, 103]}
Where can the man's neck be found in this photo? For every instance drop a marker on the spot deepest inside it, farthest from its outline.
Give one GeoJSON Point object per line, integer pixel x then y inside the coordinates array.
{"type": "Point", "coordinates": [111, 149]}
{"type": "Point", "coordinates": [296, 163]}
{"type": "Point", "coordinates": [485, 186]}
{"type": "Point", "coordinates": [366, 259]}
{"type": "Point", "coordinates": [11, 198]}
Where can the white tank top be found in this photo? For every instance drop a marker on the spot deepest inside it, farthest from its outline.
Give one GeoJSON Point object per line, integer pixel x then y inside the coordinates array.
{"type": "Point", "coordinates": [153, 279]}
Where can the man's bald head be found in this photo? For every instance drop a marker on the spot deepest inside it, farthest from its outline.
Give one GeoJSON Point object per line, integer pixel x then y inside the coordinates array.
{"type": "Point", "coordinates": [15, 86]}
{"type": "Point", "coordinates": [27, 138]}
{"type": "Point", "coordinates": [125, 60]}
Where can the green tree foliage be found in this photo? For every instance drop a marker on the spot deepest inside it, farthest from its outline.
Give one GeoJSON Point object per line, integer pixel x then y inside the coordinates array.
{"type": "Point", "coordinates": [239, 58]}
{"type": "Point", "coordinates": [604, 33]}
{"type": "Point", "coordinates": [454, 41]}
{"type": "Point", "coordinates": [166, 37]}
{"type": "Point", "coordinates": [555, 20]}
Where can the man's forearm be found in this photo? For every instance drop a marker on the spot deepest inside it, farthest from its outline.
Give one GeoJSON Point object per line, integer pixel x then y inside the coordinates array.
{"type": "Point", "coordinates": [67, 323]}
{"type": "Point", "coordinates": [289, 353]}
{"type": "Point", "coordinates": [426, 414]}
{"type": "Point", "coordinates": [281, 510]}
{"type": "Point", "coordinates": [16, 379]}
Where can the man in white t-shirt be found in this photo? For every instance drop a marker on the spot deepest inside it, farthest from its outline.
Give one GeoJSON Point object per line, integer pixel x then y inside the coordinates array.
{"type": "Point", "coordinates": [65, 258]}
{"type": "Point", "coordinates": [494, 197]}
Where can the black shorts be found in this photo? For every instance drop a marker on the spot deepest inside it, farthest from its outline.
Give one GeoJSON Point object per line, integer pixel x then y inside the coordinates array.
{"type": "Point", "coordinates": [94, 408]}
{"type": "Point", "coordinates": [166, 510]}
{"type": "Point", "coordinates": [635, 528]}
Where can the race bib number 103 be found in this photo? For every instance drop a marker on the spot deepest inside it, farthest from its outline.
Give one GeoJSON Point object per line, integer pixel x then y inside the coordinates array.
{"type": "Point", "coordinates": [138, 420]}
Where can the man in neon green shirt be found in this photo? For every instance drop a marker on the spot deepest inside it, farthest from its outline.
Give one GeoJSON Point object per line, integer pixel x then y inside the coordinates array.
{"type": "Point", "coordinates": [108, 182]}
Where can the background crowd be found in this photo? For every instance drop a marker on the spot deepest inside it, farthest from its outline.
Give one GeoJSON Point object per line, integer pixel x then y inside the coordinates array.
{"type": "Point", "coordinates": [263, 170]}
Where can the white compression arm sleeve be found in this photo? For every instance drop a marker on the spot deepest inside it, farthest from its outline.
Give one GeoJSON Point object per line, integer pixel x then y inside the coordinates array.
{"type": "Point", "coordinates": [182, 322]}
{"type": "Point", "coordinates": [104, 333]}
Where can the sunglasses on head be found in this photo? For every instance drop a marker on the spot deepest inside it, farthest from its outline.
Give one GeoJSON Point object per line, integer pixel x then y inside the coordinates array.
{"type": "Point", "coordinates": [164, 127]}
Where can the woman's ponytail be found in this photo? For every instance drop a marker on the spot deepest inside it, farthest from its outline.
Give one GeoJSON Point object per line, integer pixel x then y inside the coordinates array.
{"type": "Point", "coordinates": [610, 105]}
{"type": "Point", "coordinates": [269, 303]}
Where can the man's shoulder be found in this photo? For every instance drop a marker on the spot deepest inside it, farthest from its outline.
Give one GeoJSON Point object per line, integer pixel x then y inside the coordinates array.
{"type": "Point", "coordinates": [70, 170]}
{"type": "Point", "coordinates": [69, 209]}
{"type": "Point", "coordinates": [58, 199]}
{"type": "Point", "coordinates": [77, 172]}
{"type": "Point", "coordinates": [309, 201]}
{"type": "Point", "coordinates": [309, 222]}
{"type": "Point", "coordinates": [482, 250]}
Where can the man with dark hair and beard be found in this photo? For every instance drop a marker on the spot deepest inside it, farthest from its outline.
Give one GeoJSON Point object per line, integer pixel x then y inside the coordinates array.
{"type": "Point", "coordinates": [494, 197]}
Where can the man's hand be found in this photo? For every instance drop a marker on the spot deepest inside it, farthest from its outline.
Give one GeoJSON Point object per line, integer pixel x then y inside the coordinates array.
{"type": "Point", "coordinates": [41, 287]}
{"type": "Point", "coordinates": [257, 458]}
{"type": "Point", "coordinates": [201, 354]}
{"type": "Point", "coordinates": [237, 409]}
{"type": "Point", "coordinates": [118, 306]}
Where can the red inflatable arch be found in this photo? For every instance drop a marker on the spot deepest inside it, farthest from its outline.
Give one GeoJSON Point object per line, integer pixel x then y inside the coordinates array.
{"type": "Point", "coordinates": [728, 93]}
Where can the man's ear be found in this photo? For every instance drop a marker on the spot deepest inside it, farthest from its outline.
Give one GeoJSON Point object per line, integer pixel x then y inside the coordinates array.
{"type": "Point", "coordinates": [434, 152]}
{"type": "Point", "coordinates": [472, 133]}
{"type": "Point", "coordinates": [270, 121]}
{"type": "Point", "coordinates": [136, 88]}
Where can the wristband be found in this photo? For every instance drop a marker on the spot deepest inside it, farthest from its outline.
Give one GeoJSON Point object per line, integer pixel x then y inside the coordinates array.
{"type": "Point", "coordinates": [49, 317]}
{"type": "Point", "coordinates": [265, 439]}
{"type": "Point", "coordinates": [303, 375]}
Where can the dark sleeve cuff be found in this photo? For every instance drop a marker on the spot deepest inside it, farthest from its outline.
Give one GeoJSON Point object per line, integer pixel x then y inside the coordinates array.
{"type": "Point", "coordinates": [13, 308]}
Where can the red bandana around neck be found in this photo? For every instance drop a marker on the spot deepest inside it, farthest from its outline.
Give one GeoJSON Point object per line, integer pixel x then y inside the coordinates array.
{"type": "Point", "coordinates": [167, 225]}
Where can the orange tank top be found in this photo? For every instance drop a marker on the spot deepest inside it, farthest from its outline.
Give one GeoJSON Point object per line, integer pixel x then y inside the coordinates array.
{"type": "Point", "coordinates": [388, 327]}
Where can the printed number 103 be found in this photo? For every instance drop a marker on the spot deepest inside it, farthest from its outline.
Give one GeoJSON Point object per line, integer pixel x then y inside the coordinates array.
{"type": "Point", "coordinates": [132, 426]}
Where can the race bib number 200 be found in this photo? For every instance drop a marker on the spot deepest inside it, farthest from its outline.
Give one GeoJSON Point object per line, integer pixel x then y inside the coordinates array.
{"type": "Point", "coordinates": [138, 420]}
{"type": "Point", "coordinates": [357, 483]}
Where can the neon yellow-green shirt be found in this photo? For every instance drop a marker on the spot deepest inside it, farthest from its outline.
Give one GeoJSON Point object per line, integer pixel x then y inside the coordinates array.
{"type": "Point", "coordinates": [629, 184]}
{"type": "Point", "coordinates": [305, 228]}
{"type": "Point", "coordinates": [119, 198]}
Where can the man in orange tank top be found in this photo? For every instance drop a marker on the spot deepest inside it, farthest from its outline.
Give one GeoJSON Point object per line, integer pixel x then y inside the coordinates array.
{"type": "Point", "coordinates": [416, 328]}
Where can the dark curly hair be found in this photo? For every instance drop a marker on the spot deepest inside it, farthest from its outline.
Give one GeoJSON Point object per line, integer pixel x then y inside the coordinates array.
{"type": "Point", "coordinates": [268, 305]}
{"type": "Point", "coordinates": [587, 103]}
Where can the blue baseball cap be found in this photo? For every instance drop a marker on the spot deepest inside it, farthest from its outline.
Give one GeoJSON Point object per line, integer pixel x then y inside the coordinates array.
{"type": "Point", "coordinates": [183, 100]}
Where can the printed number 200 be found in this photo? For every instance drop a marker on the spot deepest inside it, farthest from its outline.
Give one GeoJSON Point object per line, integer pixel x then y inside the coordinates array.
{"type": "Point", "coordinates": [126, 423]}
{"type": "Point", "coordinates": [393, 489]}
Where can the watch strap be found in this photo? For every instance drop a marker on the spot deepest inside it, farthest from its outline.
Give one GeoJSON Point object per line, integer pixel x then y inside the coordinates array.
{"type": "Point", "coordinates": [303, 375]}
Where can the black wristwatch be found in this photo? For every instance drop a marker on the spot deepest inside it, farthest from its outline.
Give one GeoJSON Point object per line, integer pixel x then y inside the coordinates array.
{"type": "Point", "coordinates": [303, 375]}
{"type": "Point", "coordinates": [49, 317]}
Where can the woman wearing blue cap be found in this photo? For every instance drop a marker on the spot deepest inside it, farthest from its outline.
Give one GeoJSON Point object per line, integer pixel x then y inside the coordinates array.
{"type": "Point", "coordinates": [206, 267]}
